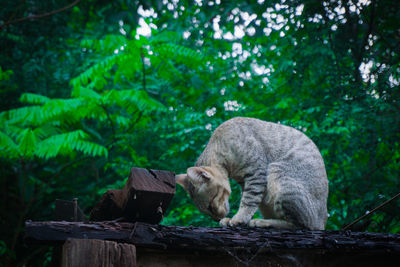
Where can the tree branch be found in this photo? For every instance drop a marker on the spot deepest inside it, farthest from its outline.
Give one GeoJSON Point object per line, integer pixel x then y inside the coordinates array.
{"type": "Point", "coordinates": [110, 120]}
{"type": "Point", "coordinates": [40, 15]}
{"type": "Point", "coordinates": [371, 212]}
{"type": "Point", "coordinates": [358, 52]}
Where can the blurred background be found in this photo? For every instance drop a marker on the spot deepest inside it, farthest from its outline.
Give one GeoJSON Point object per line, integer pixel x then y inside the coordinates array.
{"type": "Point", "coordinates": [89, 89]}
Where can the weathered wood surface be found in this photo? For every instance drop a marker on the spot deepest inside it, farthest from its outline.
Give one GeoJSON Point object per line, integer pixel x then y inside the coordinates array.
{"type": "Point", "coordinates": [213, 239]}
{"type": "Point", "coordinates": [271, 258]}
{"type": "Point", "coordinates": [162, 181]}
{"type": "Point", "coordinates": [86, 253]}
{"type": "Point", "coordinates": [144, 198]}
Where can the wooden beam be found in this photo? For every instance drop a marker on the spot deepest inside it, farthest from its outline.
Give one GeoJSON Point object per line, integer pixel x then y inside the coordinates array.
{"type": "Point", "coordinates": [213, 239]}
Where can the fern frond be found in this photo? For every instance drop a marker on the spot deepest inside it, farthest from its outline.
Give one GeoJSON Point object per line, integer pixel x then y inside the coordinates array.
{"type": "Point", "coordinates": [80, 91]}
{"type": "Point", "coordinates": [23, 115]}
{"type": "Point", "coordinates": [181, 54]}
{"type": "Point", "coordinates": [27, 142]}
{"type": "Point", "coordinates": [8, 148]}
{"type": "Point", "coordinates": [53, 109]}
{"type": "Point", "coordinates": [64, 144]}
{"type": "Point", "coordinates": [51, 147]}
{"type": "Point", "coordinates": [12, 130]}
{"type": "Point", "coordinates": [91, 149]}
{"type": "Point", "coordinates": [167, 70]}
{"type": "Point", "coordinates": [36, 99]}
{"type": "Point", "coordinates": [132, 100]}
{"type": "Point", "coordinates": [46, 130]}
{"type": "Point", "coordinates": [99, 69]}
{"type": "Point", "coordinates": [93, 110]}
{"type": "Point", "coordinates": [62, 109]}
{"type": "Point", "coordinates": [128, 66]}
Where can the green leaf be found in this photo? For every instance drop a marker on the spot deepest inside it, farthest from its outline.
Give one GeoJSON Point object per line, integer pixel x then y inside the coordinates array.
{"type": "Point", "coordinates": [65, 143]}
{"type": "Point", "coordinates": [29, 98]}
{"type": "Point", "coordinates": [8, 148]}
{"type": "Point", "coordinates": [27, 142]}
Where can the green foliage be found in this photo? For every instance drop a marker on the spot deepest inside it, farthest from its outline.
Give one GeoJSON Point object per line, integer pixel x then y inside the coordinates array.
{"type": "Point", "coordinates": [5, 75]}
{"type": "Point", "coordinates": [85, 96]}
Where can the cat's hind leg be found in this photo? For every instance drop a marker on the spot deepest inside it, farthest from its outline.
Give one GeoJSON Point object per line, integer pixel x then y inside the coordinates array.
{"type": "Point", "coordinates": [293, 203]}
{"type": "Point", "coordinates": [287, 204]}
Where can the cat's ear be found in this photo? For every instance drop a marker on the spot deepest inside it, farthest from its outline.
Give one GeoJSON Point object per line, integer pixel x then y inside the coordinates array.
{"type": "Point", "coordinates": [182, 180]}
{"type": "Point", "coordinates": [199, 173]}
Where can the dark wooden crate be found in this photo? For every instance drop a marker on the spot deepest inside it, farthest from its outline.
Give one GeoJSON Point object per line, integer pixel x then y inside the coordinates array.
{"type": "Point", "coordinates": [144, 198]}
{"type": "Point", "coordinates": [149, 194]}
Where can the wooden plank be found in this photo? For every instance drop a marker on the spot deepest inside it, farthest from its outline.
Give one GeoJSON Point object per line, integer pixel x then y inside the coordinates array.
{"type": "Point", "coordinates": [214, 239]}
{"type": "Point", "coordinates": [92, 252]}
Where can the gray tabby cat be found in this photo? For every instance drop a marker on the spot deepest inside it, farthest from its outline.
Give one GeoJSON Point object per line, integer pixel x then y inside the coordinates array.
{"type": "Point", "coordinates": [280, 170]}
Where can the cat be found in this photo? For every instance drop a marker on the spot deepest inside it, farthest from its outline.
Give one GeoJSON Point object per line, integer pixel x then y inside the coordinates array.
{"type": "Point", "coordinates": [280, 170]}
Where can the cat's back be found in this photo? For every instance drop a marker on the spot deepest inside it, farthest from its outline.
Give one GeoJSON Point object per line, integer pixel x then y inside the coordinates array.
{"type": "Point", "coordinates": [277, 142]}
{"type": "Point", "coordinates": [275, 137]}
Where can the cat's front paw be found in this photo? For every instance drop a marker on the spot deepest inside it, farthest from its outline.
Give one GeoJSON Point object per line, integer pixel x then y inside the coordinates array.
{"type": "Point", "coordinates": [238, 221]}
{"type": "Point", "coordinates": [235, 221]}
{"type": "Point", "coordinates": [224, 222]}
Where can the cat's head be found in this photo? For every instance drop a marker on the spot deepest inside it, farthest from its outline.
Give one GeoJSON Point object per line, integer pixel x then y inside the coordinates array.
{"type": "Point", "coordinates": [209, 190]}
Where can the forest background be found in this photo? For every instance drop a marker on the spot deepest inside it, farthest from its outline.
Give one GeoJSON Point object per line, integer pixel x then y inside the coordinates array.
{"type": "Point", "coordinates": [92, 88]}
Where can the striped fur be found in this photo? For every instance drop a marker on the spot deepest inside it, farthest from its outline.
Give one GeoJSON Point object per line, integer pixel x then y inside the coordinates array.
{"type": "Point", "coordinates": [280, 169]}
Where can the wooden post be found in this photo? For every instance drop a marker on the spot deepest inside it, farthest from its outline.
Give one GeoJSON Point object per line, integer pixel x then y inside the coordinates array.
{"type": "Point", "coordinates": [93, 252]}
